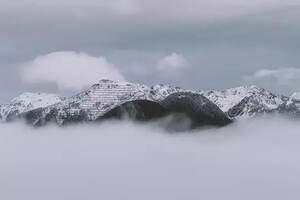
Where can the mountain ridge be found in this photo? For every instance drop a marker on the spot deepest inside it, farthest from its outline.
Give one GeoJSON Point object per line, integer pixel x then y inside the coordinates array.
{"type": "Point", "coordinates": [100, 98]}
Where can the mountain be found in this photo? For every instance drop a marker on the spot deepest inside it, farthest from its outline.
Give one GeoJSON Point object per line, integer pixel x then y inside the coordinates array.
{"type": "Point", "coordinates": [27, 102]}
{"type": "Point", "coordinates": [110, 99]}
{"type": "Point", "coordinates": [199, 109]}
{"type": "Point", "coordinates": [244, 102]}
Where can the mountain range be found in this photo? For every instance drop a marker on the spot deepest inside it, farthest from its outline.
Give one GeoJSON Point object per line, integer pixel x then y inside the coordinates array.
{"type": "Point", "coordinates": [111, 99]}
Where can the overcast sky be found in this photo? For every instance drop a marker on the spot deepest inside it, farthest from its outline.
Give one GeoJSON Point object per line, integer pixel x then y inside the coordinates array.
{"type": "Point", "coordinates": [200, 44]}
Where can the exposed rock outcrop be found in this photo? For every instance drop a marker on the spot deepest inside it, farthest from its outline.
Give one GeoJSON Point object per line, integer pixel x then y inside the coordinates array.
{"type": "Point", "coordinates": [198, 108]}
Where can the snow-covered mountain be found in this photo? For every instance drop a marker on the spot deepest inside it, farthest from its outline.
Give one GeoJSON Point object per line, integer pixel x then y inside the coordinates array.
{"type": "Point", "coordinates": [95, 102]}
{"type": "Point", "coordinates": [243, 102]}
{"type": "Point", "coordinates": [102, 97]}
{"type": "Point", "coordinates": [27, 102]}
{"type": "Point", "coordinates": [91, 103]}
{"type": "Point", "coordinates": [228, 98]}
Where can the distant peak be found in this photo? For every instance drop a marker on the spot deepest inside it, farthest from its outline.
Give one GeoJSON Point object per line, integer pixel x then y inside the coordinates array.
{"type": "Point", "coordinates": [295, 96]}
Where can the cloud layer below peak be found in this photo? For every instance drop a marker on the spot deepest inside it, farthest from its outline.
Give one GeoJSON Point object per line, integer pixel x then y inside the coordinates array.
{"type": "Point", "coordinates": [253, 159]}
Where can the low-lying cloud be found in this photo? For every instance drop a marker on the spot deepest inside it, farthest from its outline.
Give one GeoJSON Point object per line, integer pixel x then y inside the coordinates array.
{"type": "Point", "coordinates": [69, 70]}
{"type": "Point", "coordinates": [254, 159]}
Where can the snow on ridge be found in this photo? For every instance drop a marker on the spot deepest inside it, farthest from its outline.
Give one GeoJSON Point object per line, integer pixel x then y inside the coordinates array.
{"type": "Point", "coordinates": [230, 97]}
{"type": "Point", "coordinates": [105, 95]}
{"type": "Point", "coordinates": [28, 101]}
{"type": "Point", "coordinates": [36, 100]}
{"type": "Point", "coordinates": [160, 91]}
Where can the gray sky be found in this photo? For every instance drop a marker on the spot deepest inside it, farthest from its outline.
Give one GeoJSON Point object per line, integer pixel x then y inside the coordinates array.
{"type": "Point", "coordinates": [194, 44]}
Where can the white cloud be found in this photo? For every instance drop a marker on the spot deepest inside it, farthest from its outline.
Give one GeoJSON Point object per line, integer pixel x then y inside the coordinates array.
{"type": "Point", "coordinates": [172, 62]}
{"type": "Point", "coordinates": [124, 6]}
{"type": "Point", "coordinates": [69, 70]}
{"type": "Point", "coordinates": [282, 76]}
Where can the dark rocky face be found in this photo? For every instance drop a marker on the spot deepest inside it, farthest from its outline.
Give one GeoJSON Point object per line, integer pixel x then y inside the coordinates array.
{"type": "Point", "coordinates": [42, 116]}
{"type": "Point", "coordinates": [141, 110]}
{"type": "Point", "coordinates": [198, 108]}
{"type": "Point", "coordinates": [183, 107]}
{"type": "Point", "coordinates": [186, 110]}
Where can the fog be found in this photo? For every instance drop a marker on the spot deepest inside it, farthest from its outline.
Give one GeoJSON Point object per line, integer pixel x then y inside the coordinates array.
{"type": "Point", "coordinates": [252, 159]}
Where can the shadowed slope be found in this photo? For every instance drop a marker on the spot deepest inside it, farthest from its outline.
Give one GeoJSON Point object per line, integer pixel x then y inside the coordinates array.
{"type": "Point", "coordinates": [138, 110]}
{"type": "Point", "coordinates": [198, 108]}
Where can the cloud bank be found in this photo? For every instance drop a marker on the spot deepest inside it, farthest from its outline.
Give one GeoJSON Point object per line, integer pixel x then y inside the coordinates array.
{"type": "Point", "coordinates": [255, 159]}
{"type": "Point", "coordinates": [280, 76]}
{"type": "Point", "coordinates": [69, 70]}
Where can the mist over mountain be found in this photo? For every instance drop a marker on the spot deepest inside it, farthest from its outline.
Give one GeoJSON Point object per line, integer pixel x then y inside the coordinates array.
{"type": "Point", "coordinates": [250, 159]}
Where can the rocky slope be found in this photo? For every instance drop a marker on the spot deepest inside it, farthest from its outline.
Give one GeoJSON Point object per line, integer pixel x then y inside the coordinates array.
{"type": "Point", "coordinates": [27, 102]}
{"type": "Point", "coordinates": [110, 99]}
{"type": "Point", "coordinates": [197, 108]}
{"type": "Point", "coordinates": [244, 102]}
